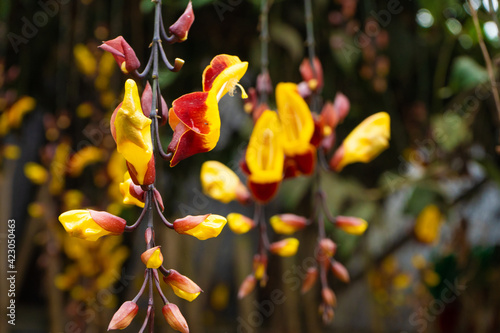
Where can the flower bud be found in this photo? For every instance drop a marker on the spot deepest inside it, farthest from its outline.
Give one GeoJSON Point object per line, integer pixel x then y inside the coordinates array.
{"type": "Point", "coordinates": [351, 225]}
{"type": "Point", "coordinates": [146, 104]}
{"type": "Point", "coordinates": [90, 224]}
{"type": "Point", "coordinates": [313, 76]}
{"type": "Point", "coordinates": [328, 296]}
{"type": "Point", "coordinates": [428, 224]}
{"type": "Point", "coordinates": [342, 106]}
{"type": "Point", "coordinates": [123, 317]}
{"type": "Point", "coordinates": [340, 272]}
{"type": "Point", "coordinates": [326, 249]}
{"type": "Point", "coordinates": [152, 258]}
{"type": "Point", "coordinates": [182, 286]}
{"type": "Point", "coordinates": [221, 183]}
{"type": "Point", "coordinates": [149, 234]}
{"type": "Point", "coordinates": [36, 173]}
{"type": "Point", "coordinates": [200, 226]}
{"type": "Point", "coordinates": [123, 54]}
{"type": "Point", "coordinates": [287, 224]}
{"type": "Point", "coordinates": [247, 286]}
{"type": "Point", "coordinates": [240, 224]}
{"type": "Point", "coordinates": [286, 247]}
{"type": "Point", "coordinates": [309, 280]}
{"type": "Point", "coordinates": [326, 312]}
{"type": "Point", "coordinates": [259, 266]}
{"type": "Point", "coordinates": [181, 27]}
{"type": "Point", "coordinates": [174, 318]}
{"type": "Point", "coordinates": [158, 199]}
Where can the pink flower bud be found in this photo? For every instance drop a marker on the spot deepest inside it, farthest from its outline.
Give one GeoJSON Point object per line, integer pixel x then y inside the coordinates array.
{"type": "Point", "coordinates": [314, 77]}
{"type": "Point", "coordinates": [149, 234]}
{"type": "Point", "coordinates": [247, 286]}
{"type": "Point", "coordinates": [158, 199]}
{"type": "Point", "coordinates": [123, 317]}
{"type": "Point", "coordinates": [340, 272]}
{"type": "Point", "coordinates": [174, 318]}
{"type": "Point", "coordinates": [342, 106]}
{"type": "Point", "coordinates": [123, 54]}
{"type": "Point", "coordinates": [310, 279]}
{"type": "Point", "coordinates": [181, 27]}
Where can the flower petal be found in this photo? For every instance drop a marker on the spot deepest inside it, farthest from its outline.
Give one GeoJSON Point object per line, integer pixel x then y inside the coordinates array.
{"type": "Point", "coordinates": [223, 73]}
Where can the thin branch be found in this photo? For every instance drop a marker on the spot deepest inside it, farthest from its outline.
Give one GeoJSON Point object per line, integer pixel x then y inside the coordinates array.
{"type": "Point", "coordinates": [165, 59]}
{"type": "Point", "coordinates": [169, 39]}
{"type": "Point", "coordinates": [141, 217]}
{"type": "Point", "coordinates": [158, 287]}
{"type": "Point", "coordinates": [487, 58]}
{"type": "Point", "coordinates": [166, 156]}
{"type": "Point", "coordinates": [163, 218]}
{"type": "Point", "coordinates": [143, 287]}
{"type": "Point", "coordinates": [146, 70]}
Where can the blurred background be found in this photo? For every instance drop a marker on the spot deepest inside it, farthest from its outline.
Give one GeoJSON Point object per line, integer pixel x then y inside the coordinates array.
{"type": "Point", "coordinates": [429, 261]}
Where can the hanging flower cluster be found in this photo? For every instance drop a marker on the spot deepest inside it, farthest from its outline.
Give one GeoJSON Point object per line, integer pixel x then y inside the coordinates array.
{"type": "Point", "coordinates": [289, 143]}
{"type": "Point", "coordinates": [195, 121]}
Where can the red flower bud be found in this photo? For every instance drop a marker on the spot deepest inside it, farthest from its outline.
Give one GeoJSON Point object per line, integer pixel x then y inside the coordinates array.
{"type": "Point", "coordinates": [152, 258]}
{"type": "Point", "coordinates": [340, 272]}
{"type": "Point", "coordinates": [326, 249]}
{"type": "Point", "coordinates": [314, 77]}
{"type": "Point", "coordinates": [310, 279]}
{"type": "Point", "coordinates": [147, 100]}
{"type": "Point", "coordinates": [342, 106]}
{"type": "Point", "coordinates": [174, 318]}
{"type": "Point", "coordinates": [328, 296]}
{"type": "Point", "coordinates": [113, 224]}
{"type": "Point", "coordinates": [123, 317]}
{"type": "Point", "coordinates": [247, 286]}
{"type": "Point", "coordinates": [181, 27]}
{"type": "Point", "coordinates": [123, 54]}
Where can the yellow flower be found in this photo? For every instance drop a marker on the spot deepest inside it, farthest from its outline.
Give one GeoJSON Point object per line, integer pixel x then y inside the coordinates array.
{"type": "Point", "coordinates": [286, 247]}
{"type": "Point", "coordinates": [194, 117]}
{"type": "Point", "coordinates": [90, 224]}
{"type": "Point", "coordinates": [182, 286]}
{"type": "Point", "coordinates": [287, 224]}
{"type": "Point", "coordinates": [428, 224]}
{"type": "Point", "coordinates": [84, 157]}
{"type": "Point", "coordinates": [152, 258]}
{"type": "Point", "coordinates": [85, 60]}
{"type": "Point", "coordinates": [201, 226]}
{"type": "Point", "coordinates": [36, 173]}
{"type": "Point", "coordinates": [58, 168]}
{"type": "Point", "coordinates": [351, 225]}
{"type": "Point", "coordinates": [13, 117]}
{"type": "Point", "coordinates": [221, 183]}
{"type": "Point", "coordinates": [132, 133]}
{"type": "Point", "coordinates": [265, 157]}
{"type": "Point", "coordinates": [132, 194]}
{"type": "Point", "coordinates": [240, 224]}
{"type": "Point", "coordinates": [364, 143]}
{"type": "Point", "coordinates": [11, 152]}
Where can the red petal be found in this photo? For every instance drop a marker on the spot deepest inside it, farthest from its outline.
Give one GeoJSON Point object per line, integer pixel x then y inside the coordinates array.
{"type": "Point", "coordinates": [263, 192]}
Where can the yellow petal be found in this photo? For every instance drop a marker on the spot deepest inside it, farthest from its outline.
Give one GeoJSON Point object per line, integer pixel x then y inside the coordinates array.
{"type": "Point", "coordinates": [210, 227]}
{"type": "Point", "coordinates": [133, 132]}
{"type": "Point", "coordinates": [296, 119]}
{"type": "Point", "coordinates": [79, 223]}
{"type": "Point", "coordinates": [428, 224]}
{"type": "Point", "coordinates": [185, 295]}
{"type": "Point", "coordinates": [265, 155]}
{"type": "Point", "coordinates": [129, 199]}
{"type": "Point", "coordinates": [36, 173]}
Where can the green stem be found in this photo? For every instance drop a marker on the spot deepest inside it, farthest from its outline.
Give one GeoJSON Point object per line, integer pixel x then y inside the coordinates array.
{"type": "Point", "coordinates": [264, 46]}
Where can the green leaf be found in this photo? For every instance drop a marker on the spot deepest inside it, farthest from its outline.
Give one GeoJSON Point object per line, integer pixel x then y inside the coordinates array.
{"type": "Point", "coordinates": [450, 130]}
{"type": "Point", "coordinates": [288, 37]}
{"type": "Point", "coordinates": [466, 73]}
{"type": "Point", "coordinates": [345, 52]}
{"type": "Point", "coordinates": [146, 6]}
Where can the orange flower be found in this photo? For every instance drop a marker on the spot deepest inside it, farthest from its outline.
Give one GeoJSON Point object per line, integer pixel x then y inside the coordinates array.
{"type": "Point", "coordinates": [132, 133]}
{"type": "Point", "coordinates": [174, 318]}
{"type": "Point", "coordinates": [194, 117]}
{"type": "Point", "coordinates": [152, 258]}
{"type": "Point", "coordinates": [265, 156]}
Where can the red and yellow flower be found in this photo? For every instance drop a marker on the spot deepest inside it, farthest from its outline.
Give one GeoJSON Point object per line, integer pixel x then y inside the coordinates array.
{"type": "Point", "coordinates": [201, 226]}
{"type": "Point", "coordinates": [123, 54]}
{"type": "Point", "coordinates": [132, 133]}
{"type": "Point", "coordinates": [90, 224]}
{"type": "Point", "coordinates": [182, 286]}
{"type": "Point", "coordinates": [194, 117]}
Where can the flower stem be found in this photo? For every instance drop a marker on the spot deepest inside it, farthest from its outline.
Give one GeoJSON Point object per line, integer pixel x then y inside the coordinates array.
{"type": "Point", "coordinates": [264, 46]}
